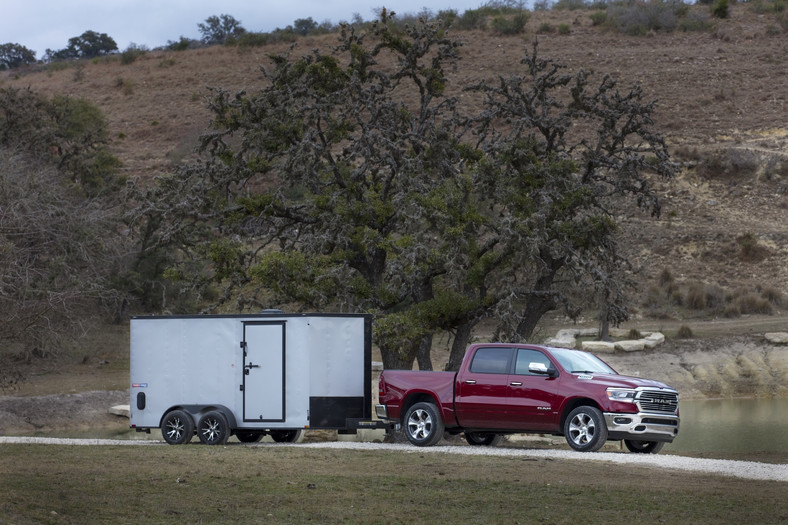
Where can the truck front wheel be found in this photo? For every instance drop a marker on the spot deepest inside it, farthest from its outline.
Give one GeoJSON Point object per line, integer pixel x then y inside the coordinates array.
{"type": "Point", "coordinates": [177, 427]}
{"type": "Point", "coordinates": [643, 447]}
{"type": "Point", "coordinates": [423, 425]}
{"type": "Point", "coordinates": [585, 429]}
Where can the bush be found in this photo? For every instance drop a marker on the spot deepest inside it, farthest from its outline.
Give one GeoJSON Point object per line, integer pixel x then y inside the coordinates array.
{"type": "Point", "coordinates": [753, 303]}
{"type": "Point", "coordinates": [545, 27]}
{"type": "Point", "coordinates": [564, 29]}
{"type": "Point", "coordinates": [510, 25]}
{"type": "Point", "coordinates": [639, 19]}
{"type": "Point", "coordinates": [695, 21]}
{"type": "Point", "coordinates": [598, 18]}
{"type": "Point", "coordinates": [132, 53]}
{"type": "Point", "coordinates": [253, 39]}
{"type": "Point", "coordinates": [684, 332]}
{"type": "Point", "coordinates": [570, 5]}
{"type": "Point", "coordinates": [721, 9]}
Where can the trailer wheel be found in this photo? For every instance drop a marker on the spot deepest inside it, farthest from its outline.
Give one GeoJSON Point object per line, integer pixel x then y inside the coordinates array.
{"type": "Point", "coordinates": [177, 427]}
{"type": "Point", "coordinates": [249, 436]}
{"type": "Point", "coordinates": [423, 425]}
{"type": "Point", "coordinates": [213, 428]}
{"type": "Point", "coordinates": [285, 436]}
{"type": "Point", "coordinates": [486, 439]}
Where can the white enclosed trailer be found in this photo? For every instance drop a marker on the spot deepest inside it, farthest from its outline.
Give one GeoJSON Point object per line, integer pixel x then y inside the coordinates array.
{"type": "Point", "coordinates": [250, 375]}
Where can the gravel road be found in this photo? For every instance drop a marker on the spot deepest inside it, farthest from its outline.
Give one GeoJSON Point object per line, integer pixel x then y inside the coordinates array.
{"type": "Point", "coordinates": [739, 469]}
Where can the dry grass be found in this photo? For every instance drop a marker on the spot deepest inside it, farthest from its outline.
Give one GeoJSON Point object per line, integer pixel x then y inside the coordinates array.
{"type": "Point", "coordinates": [242, 484]}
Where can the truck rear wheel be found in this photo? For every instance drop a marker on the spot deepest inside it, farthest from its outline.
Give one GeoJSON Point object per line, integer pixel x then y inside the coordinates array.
{"type": "Point", "coordinates": [423, 425]}
{"type": "Point", "coordinates": [585, 429]}
{"type": "Point", "coordinates": [486, 439]}
{"type": "Point", "coordinates": [177, 427]}
{"type": "Point", "coordinates": [213, 428]}
{"type": "Point", "coordinates": [643, 447]}
{"type": "Point", "coordinates": [285, 436]}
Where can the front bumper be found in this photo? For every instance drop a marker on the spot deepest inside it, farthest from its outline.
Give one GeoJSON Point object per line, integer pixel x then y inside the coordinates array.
{"type": "Point", "coordinates": [642, 426]}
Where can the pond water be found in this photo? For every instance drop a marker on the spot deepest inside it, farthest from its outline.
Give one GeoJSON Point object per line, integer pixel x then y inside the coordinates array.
{"type": "Point", "coordinates": [732, 425]}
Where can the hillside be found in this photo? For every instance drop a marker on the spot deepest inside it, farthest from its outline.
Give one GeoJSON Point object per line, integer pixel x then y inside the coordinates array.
{"type": "Point", "coordinates": [722, 102]}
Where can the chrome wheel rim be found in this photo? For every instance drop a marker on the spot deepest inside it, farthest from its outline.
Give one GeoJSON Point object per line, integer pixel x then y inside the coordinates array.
{"type": "Point", "coordinates": [419, 424]}
{"type": "Point", "coordinates": [582, 429]}
{"type": "Point", "coordinates": [175, 428]}
{"type": "Point", "coordinates": [211, 429]}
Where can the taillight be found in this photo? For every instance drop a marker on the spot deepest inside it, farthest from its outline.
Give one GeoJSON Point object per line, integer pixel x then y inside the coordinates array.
{"type": "Point", "coordinates": [381, 387]}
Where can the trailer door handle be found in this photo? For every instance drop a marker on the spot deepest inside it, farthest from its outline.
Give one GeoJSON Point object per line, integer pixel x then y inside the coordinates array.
{"type": "Point", "coordinates": [249, 367]}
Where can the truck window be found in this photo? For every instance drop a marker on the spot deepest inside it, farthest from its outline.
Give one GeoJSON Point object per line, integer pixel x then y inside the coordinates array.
{"type": "Point", "coordinates": [493, 360]}
{"type": "Point", "coordinates": [526, 356]}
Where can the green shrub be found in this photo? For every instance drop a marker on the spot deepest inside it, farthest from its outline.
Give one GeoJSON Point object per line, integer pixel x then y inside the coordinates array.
{"type": "Point", "coordinates": [684, 332]}
{"type": "Point", "coordinates": [545, 27]}
{"type": "Point", "coordinates": [570, 5]}
{"type": "Point", "coordinates": [511, 24]}
{"type": "Point", "coordinates": [253, 39]}
{"type": "Point", "coordinates": [598, 18]}
{"type": "Point", "coordinates": [132, 53]}
{"type": "Point", "coordinates": [695, 21]}
{"type": "Point", "coordinates": [720, 9]}
{"type": "Point", "coordinates": [753, 303]}
{"type": "Point", "coordinates": [564, 29]}
{"type": "Point", "coordinates": [774, 296]}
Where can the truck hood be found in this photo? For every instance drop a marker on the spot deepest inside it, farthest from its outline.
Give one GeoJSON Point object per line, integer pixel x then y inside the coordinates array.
{"type": "Point", "coordinates": [619, 381]}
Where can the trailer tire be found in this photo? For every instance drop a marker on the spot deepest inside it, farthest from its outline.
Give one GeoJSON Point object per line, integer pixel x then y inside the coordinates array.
{"type": "Point", "coordinates": [177, 427]}
{"type": "Point", "coordinates": [213, 428]}
{"type": "Point", "coordinates": [286, 436]}
{"type": "Point", "coordinates": [249, 436]}
{"type": "Point", "coordinates": [423, 424]}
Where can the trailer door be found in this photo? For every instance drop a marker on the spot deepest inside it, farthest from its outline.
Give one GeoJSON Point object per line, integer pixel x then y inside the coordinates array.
{"type": "Point", "coordinates": [264, 371]}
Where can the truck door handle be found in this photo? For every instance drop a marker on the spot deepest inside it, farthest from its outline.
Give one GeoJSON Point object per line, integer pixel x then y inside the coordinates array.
{"type": "Point", "coordinates": [516, 383]}
{"type": "Point", "coordinates": [470, 382]}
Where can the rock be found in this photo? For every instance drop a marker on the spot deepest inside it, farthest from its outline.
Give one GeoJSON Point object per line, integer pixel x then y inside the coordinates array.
{"type": "Point", "coordinates": [777, 338]}
{"type": "Point", "coordinates": [602, 347]}
{"type": "Point", "coordinates": [632, 345]}
{"type": "Point", "coordinates": [120, 410]}
{"type": "Point", "coordinates": [653, 339]}
{"type": "Point", "coordinates": [563, 339]}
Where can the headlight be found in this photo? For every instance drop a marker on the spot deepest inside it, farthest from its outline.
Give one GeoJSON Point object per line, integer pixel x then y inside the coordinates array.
{"type": "Point", "coordinates": [621, 394]}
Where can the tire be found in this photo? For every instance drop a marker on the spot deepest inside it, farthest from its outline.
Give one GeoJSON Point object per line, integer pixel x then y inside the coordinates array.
{"type": "Point", "coordinates": [213, 429]}
{"type": "Point", "coordinates": [643, 447]}
{"type": "Point", "coordinates": [249, 436]}
{"type": "Point", "coordinates": [285, 436]}
{"type": "Point", "coordinates": [585, 429]}
{"type": "Point", "coordinates": [177, 427]}
{"type": "Point", "coordinates": [423, 425]}
{"type": "Point", "coordinates": [485, 439]}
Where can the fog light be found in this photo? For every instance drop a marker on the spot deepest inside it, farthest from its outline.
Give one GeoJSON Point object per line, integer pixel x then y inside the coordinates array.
{"type": "Point", "coordinates": [622, 420]}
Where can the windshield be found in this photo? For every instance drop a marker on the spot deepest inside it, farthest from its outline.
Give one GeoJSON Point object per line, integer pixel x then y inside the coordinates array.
{"type": "Point", "coordinates": [577, 362]}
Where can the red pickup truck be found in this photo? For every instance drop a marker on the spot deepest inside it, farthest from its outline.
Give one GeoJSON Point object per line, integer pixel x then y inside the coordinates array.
{"type": "Point", "coordinates": [519, 388]}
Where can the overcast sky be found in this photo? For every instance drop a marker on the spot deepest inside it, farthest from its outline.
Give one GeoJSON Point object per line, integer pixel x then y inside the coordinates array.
{"type": "Point", "coordinates": [48, 24]}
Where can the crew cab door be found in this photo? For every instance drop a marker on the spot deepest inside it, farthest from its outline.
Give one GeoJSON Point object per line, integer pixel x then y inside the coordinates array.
{"type": "Point", "coordinates": [533, 397]}
{"type": "Point", "coordinates": [480, 398]}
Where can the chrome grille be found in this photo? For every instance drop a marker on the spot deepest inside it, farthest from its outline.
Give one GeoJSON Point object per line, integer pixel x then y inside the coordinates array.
{"type": "Point", "coordinates": [656, 401]}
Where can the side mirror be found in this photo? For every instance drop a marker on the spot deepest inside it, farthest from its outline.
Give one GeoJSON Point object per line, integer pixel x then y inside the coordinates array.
{"type": "Point", "coordinates": [541, 369]}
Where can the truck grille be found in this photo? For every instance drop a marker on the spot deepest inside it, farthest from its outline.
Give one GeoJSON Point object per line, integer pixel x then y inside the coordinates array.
{"type": "Point", "coordinates": [656, 401]}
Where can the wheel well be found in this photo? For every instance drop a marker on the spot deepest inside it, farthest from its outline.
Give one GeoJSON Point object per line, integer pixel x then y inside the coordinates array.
{"type": "Point", "coordinates": [416, 398]}
{"type": "Point", "coordinates": [573, 404]}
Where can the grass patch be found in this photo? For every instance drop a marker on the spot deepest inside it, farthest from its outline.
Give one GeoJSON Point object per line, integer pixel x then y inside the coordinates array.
{"type": "Point", "coordinates": [190, 484]}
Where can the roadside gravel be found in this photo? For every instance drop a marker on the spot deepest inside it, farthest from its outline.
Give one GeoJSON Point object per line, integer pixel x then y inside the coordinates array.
{"type": "Point", "coordinates": [739, 469]}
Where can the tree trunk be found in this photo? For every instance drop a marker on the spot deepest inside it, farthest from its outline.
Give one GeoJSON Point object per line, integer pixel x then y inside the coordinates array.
{"type": "Point", "coordinates": [423, 355]}
{"type": "Point", "coordinates": [535, 308]}
{"type": "Point", "coordinates": [458, 346]}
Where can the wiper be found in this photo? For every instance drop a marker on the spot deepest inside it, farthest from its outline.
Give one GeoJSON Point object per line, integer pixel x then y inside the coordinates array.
{"type": "Point", "coordinates": [585, 372]}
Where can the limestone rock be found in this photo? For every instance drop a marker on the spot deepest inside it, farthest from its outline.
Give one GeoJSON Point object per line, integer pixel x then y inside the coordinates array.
{"type": "Point", "coordinates": [602, 347]}
{"type": "Point", "coordinates": [777, 338]}
{"type": "Point", "coordinates": [632, 345]}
